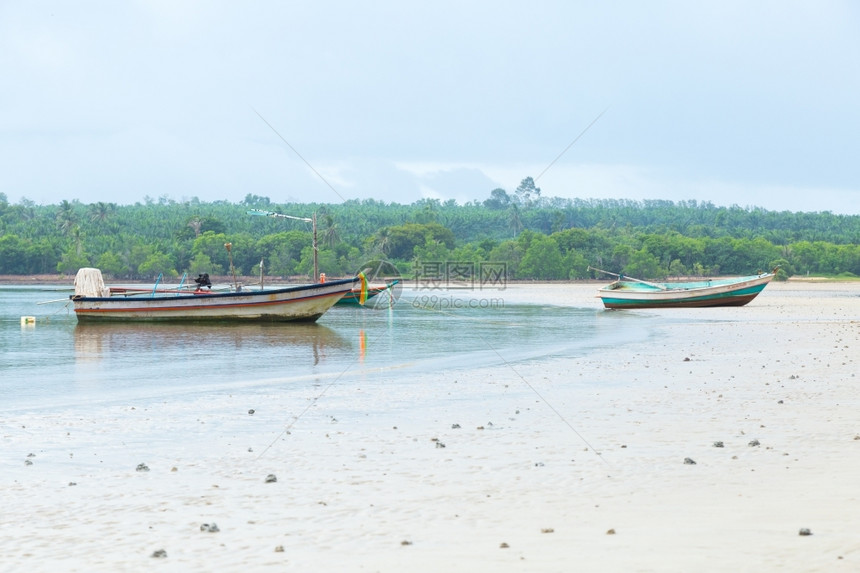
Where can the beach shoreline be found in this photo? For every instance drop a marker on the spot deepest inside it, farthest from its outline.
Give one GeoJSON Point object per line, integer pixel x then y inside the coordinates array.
{"type": "Point", "coordinates": [556, 464]}
{"type": "Point", "coordinates": [59, 280]}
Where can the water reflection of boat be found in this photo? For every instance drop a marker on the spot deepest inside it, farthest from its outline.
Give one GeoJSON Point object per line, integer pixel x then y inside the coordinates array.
{"type": "Point", "coordinates": [93, 340]}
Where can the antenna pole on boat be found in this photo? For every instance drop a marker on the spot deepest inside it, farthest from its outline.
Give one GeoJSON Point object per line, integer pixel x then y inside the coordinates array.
{"type": "Point", "coordinates": [313, 221]}
{"type": "Point", "coordinates": [590, 268]}
{"type": "Point", "coordinates": [316, 256]}
{"type": "Point", "coordinates": [625, 277]}
{"type": "Point", "coordinates": [229, 247]}
{"type": "Point", "coordinates": [155, 287]}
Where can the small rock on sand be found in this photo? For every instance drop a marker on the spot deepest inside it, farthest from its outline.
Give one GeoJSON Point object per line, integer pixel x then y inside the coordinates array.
{"type": "Point", "coordinates": [690, 461]}
{"type": "Point", "coordinates": [159, 554]}
{"type": "Point", "coordinates": [804, 531]}
{"type": "Point", "coordinates": [718, 445]}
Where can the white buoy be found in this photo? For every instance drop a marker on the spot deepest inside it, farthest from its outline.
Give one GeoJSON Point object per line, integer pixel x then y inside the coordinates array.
{"type": "Point", "coordinates": [28, 320]}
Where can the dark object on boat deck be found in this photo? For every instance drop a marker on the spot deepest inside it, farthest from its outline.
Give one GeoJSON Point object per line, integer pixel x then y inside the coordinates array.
{"type": "Point", "coordinates": [203, 281]}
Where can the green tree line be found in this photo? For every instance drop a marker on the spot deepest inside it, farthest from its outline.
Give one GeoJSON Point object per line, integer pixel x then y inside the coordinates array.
{"type": "Point", "coordinates": [534, 237]}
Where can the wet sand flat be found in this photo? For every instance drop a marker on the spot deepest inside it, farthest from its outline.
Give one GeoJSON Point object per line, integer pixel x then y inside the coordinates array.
{"type": "Point", "coordinates": [555, 464]}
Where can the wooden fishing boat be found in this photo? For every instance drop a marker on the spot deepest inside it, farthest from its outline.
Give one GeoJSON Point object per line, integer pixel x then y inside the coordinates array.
{"type": "Point", "coordinates": [629, 293]}
{"type": "Point", "coordinates": [93, 301]}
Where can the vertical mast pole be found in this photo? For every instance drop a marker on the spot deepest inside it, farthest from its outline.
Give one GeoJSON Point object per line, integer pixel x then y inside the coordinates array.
{"type": "Point", "coordinates": [316, 260]}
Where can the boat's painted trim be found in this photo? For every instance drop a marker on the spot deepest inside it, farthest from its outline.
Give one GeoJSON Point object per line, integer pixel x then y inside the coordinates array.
{"type": "Point", "coordinates": [352, 297]}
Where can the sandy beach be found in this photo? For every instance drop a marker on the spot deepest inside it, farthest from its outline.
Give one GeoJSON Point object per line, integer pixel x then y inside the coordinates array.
{"type": "Point", "coordinates": [709, 446]}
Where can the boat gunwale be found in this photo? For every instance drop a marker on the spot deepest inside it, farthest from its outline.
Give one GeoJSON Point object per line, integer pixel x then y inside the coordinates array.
{"type": "Point", "coordinates": [634, 287]}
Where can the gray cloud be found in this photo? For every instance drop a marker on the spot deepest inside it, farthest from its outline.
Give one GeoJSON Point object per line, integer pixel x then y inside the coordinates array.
{"type": "Point", "coordinates": [113, 101]}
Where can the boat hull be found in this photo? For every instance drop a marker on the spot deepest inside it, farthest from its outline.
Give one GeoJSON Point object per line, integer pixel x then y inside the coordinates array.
{"type": "Point", "coordinates": [301, 303]}
{"type": "Point", "coordinates": [734, 292]}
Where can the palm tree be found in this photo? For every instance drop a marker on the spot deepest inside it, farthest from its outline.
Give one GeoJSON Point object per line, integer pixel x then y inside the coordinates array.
{"type": "Point", "coordinates": [99, 212]}
{"type": "Point", "coordinates": [331, 232]}
{"type": "Point", "coordinates": [66, 218]}
{"type": "Point", "coordinates": [196, 223]}
{"type": "Point", "coordinates": [78, 238]}
{"type": "Point", "coordinates": [515, 220]}
{"type": "Point", "coordinates": [382, 240]}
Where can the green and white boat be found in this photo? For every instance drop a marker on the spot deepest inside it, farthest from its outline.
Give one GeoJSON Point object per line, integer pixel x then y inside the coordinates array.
{"type": "Point", "coordinates": [627, 292]}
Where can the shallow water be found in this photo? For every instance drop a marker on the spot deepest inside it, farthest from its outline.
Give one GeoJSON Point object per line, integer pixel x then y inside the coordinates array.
{"type": "Point", "coordinates": [58, 362]}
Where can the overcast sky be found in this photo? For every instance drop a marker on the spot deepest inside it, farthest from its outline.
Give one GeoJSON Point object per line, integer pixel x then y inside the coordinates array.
{"type": "Point", "coordinates": [753, 103]}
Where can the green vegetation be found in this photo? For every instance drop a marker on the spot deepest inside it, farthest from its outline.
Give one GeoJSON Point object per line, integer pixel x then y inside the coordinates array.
{"type": "Point", "coordinates": [535, 237]}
